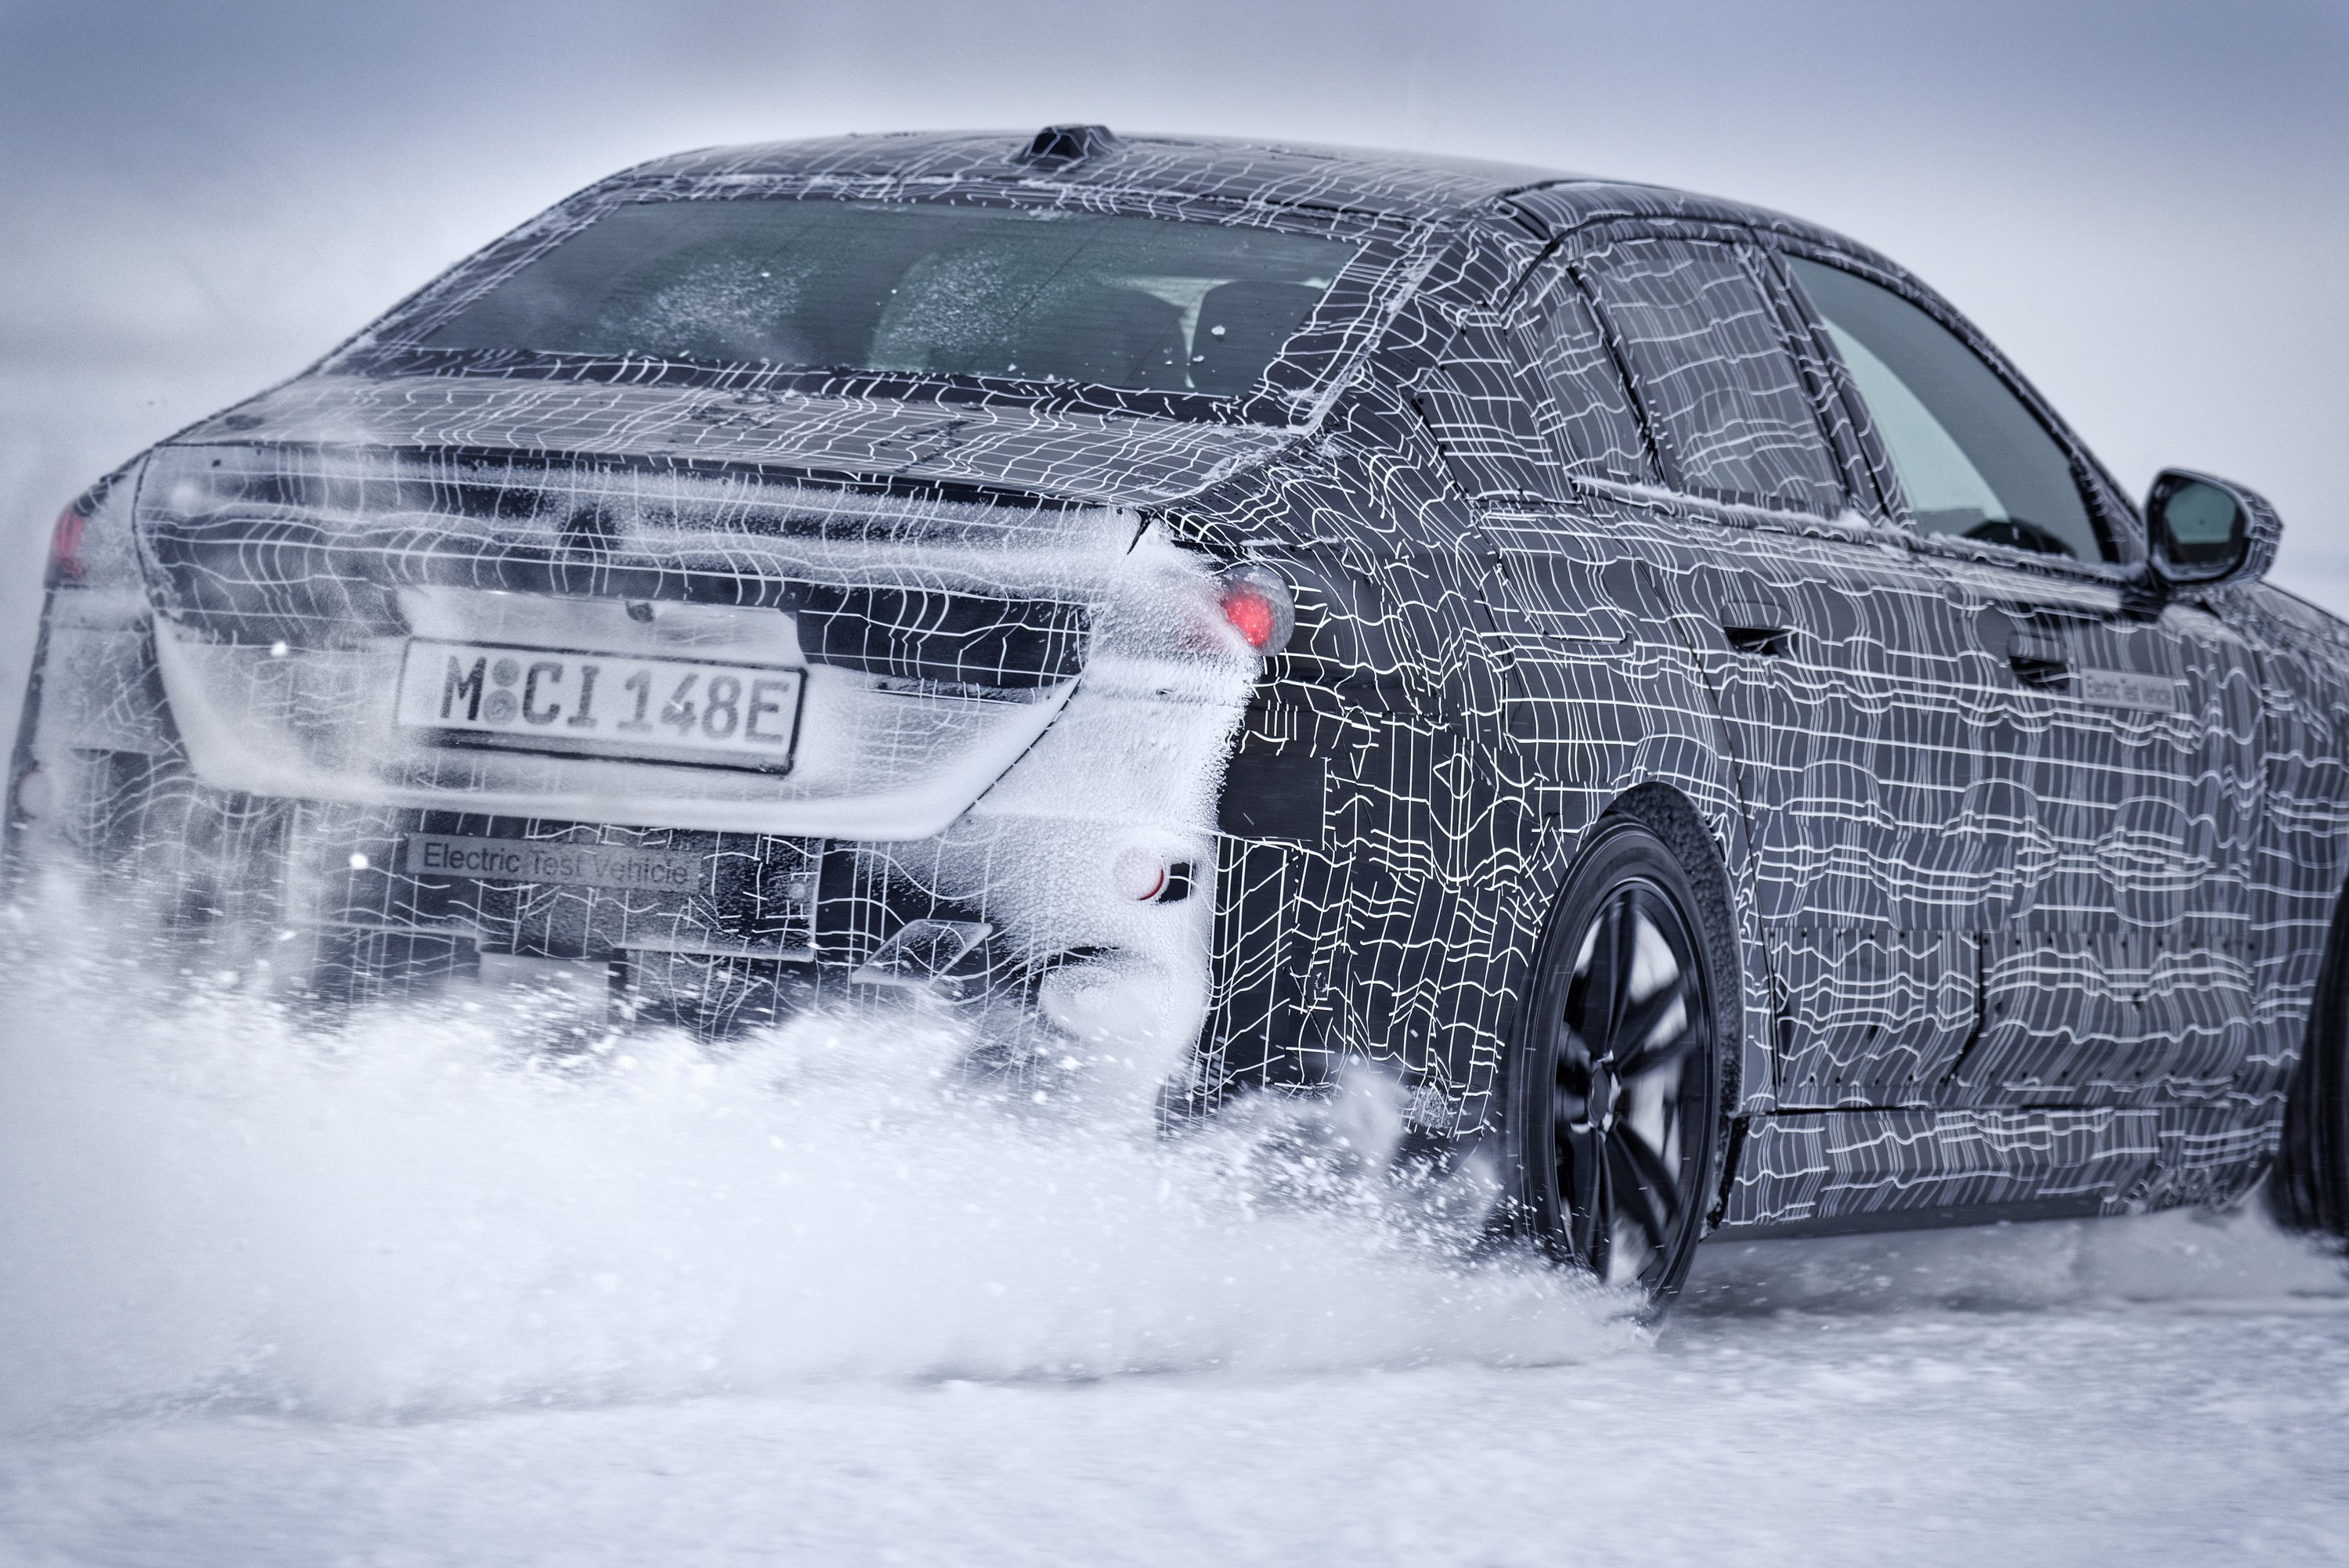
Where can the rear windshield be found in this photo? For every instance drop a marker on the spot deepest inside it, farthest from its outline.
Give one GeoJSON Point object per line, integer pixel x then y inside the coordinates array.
{"type": "Point", "coordinates": [1115, 301]}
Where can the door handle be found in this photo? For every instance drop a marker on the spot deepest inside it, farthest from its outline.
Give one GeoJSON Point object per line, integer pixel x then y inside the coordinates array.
{"type": "Point", "coordinates": [1757, 625]}
{"type": "Point", "coordinates": [2041, 670]}
{"type": "Point", "coordinates": [2038, 658]}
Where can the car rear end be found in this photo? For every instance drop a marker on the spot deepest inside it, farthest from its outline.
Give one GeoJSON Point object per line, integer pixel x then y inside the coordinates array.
{"type": "Point", "coordinates": [364, 720]}
{"type": "Point", "coordinates": [741, 588]}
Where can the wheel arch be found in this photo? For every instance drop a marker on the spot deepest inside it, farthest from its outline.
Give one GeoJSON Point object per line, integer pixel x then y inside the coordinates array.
{"type": "Point", "coordinates": [1683, 791]}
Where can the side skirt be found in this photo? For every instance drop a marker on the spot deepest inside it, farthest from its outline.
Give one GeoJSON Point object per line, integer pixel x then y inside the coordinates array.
{"type": "Point", "coordinates": [1815, 1172]}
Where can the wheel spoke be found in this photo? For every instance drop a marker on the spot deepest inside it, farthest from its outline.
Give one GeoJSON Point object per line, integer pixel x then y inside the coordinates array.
{"type": "Point", "coordinates": [1570, 1094]}
{"type": "Point", "coordinates": [1610, 967]}
{"type": "Point", "coordinates": [1634, 1051]}
{"type": "Point", "coordinates": [1660, 1053]}
{"type": "Point", "coordinates": [1590, 1207]}
{"type": "Point", "coordinates": [1633, 1172]}
{"type": "Point", "coordinates": [1654, 1172]}
{"type": "Point", "coordinates": [1628, 917]}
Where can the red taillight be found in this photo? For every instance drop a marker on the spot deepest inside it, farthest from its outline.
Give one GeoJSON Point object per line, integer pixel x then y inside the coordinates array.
{"type": "Point", "coordinates": [65, 545]}
{"type": "Point", "coordinates": [1252, 614]}
{"type": "Point", "coordinates": [1259, 607]}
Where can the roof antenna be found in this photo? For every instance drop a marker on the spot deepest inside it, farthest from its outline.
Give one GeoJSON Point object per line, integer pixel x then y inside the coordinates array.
{"type": "Point", "coordinates": [1058, 146]}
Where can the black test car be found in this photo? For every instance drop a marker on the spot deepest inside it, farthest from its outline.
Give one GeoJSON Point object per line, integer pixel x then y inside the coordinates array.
{"type": "Point", "coordinates": [1640, 670]}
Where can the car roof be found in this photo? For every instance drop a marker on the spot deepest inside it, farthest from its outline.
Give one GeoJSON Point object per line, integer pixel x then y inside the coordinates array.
{"type": "Point", "coordinates": [1413, 187]}
{"type": "Point", "coordinates": [1399, 184]}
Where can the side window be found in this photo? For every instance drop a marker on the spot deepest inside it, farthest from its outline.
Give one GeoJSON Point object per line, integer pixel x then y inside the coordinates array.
{"type": "Point", "coordinates": [1475, 404]}
{"type": "Point", "coordinates": [1519, 402]}
{"type": "Point", "coordinates": [1973, 458]}
{"type": "Point", "coordinates": [1724, 398]}
{"type": "Point", "coordinates": [1580, 401]}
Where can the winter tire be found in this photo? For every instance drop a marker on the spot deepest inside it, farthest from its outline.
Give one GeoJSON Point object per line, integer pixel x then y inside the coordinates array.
{"type": "Point", "coordinates": [2310, 1188]}
{"type": "Point", "coordinates": [1615, 1110]}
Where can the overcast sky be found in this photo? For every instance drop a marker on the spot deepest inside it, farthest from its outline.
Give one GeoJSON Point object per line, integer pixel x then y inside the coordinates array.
{"type": "Point", "coordinates": [2144, 201]}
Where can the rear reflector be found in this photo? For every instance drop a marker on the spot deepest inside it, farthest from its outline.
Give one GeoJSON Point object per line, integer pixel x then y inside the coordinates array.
{"type": "Point", "coordinates": [35, 795]}
{"type": "Point", "coordinates": [1147, 877]}
{"type": "Point", "coordinates": [1139, 875]}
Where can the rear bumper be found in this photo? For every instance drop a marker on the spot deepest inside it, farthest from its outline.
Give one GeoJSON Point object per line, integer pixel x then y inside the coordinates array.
{"type": "Point", "coordinates": [1022, 912]}
{"type": "Point", "coordinates": [1020, 922]}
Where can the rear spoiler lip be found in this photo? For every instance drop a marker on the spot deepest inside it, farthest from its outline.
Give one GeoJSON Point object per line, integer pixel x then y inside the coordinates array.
{"type": "Point", "coordinates": [985, 454]}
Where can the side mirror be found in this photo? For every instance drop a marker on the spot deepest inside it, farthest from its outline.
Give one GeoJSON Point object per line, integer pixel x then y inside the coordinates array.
{"type": "Point", "coordinates": [2208, 532]}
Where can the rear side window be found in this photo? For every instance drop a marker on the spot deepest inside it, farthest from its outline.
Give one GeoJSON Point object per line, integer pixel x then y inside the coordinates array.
{"type": "Point", "coordinates": [1476, 404]}
{"type": "Point", "coordinates": [1520, 402]}
{"type": "Point", "coordinates": [1973, 458]}
{"type": "Point", "coordinates": [1581, 405]}
{"type": "Point", "coordinates": [1725, 399]}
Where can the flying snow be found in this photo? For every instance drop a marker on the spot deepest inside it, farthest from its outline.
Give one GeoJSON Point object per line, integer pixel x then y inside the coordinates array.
{"type": "Point", "coordinates": [460, 1204]}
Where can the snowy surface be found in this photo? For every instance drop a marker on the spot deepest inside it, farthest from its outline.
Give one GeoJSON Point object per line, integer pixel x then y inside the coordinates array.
{"type": "Point", "coordinates": [409, 1290]}
{"type": "Point", "coordinates": [2089, 1435]}
{"type": "Point", "coordinates": [2145, 1433]}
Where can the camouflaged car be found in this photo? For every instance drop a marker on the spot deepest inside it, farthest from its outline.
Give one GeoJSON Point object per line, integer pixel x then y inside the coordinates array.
{"type": "Point", "coordinates": [1640, 670]}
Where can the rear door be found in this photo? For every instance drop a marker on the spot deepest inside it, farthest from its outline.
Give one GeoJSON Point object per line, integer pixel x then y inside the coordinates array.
{"type": "Point", "coordinates": [1821, 639]}
{"type": "Point", "coordinates": [2112, 766]}
{"type": "Point", "coordinates": [1528, 403]}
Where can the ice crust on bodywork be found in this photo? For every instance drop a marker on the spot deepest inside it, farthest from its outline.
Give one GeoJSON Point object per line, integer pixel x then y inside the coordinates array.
{"type": "Point", "coordinates": [234, 728]}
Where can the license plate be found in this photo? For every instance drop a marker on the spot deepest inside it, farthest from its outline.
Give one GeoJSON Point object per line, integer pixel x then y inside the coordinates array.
{"type": "Point", "coordinates": [540, 700]}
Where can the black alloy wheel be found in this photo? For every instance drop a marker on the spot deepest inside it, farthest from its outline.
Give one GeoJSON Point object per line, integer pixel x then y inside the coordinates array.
{"type": "Point", "coordinates": [1616, 1108]}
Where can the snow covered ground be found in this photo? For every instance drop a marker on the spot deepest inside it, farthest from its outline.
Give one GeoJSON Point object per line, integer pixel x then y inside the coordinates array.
{"type": "Point", "coordinates": [402, 1292]}
{"type": "Point", "coordinates": [2092, 1434]}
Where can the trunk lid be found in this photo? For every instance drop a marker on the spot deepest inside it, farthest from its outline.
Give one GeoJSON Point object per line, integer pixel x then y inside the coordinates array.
{"type": "Point", "coordinates": [303, 586]}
